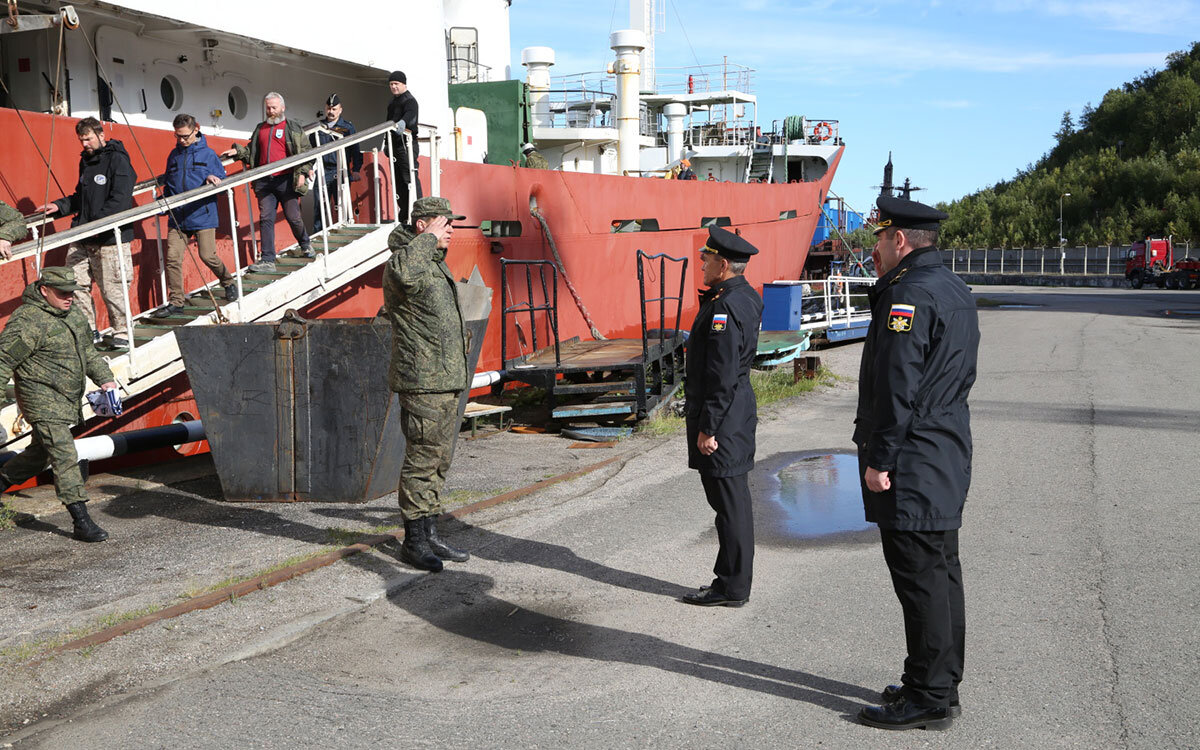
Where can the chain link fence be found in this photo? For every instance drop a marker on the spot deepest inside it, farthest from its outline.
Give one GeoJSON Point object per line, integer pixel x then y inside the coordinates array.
{"type": "Point", "coordinates": [1078, 261]}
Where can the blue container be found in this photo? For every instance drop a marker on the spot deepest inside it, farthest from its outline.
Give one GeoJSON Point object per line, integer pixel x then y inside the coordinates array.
{"type": "Point", "coordinates": [781, 307]}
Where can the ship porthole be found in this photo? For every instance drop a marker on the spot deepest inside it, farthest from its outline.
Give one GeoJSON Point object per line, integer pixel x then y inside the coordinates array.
{"type": "Point", "coordinates": [171, 92]}
{"type": "Point", "coordinates": [237, 102]}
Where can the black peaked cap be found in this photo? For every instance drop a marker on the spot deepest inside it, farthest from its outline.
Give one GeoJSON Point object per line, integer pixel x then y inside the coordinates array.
{"type": "Point", "coordinates": [729, 246]}
{"type": "Point", "coordinates": [906, 214]}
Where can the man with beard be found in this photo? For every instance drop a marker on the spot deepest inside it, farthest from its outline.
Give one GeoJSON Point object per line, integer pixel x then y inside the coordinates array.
{"type": "Point", "coordinates": [105, 187]}
{"type": "Point", "coordinates": [274, 139]}
{"type": "Point", "coordinates": [722, 414]}
{"type": "Point", "coordinates": [333, 128]}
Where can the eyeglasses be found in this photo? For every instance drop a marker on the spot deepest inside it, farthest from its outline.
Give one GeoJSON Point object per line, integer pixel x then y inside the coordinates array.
{"type": "Point", "coordinates": [186, 136]}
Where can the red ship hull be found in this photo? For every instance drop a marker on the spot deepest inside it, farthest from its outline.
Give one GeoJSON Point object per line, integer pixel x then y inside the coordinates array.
{"type": "Point", "coordinates": [580, 210]}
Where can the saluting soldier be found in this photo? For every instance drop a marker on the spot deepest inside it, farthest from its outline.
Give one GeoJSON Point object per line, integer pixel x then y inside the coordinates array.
{"type": "Point", "coordinates": [46, 348]}
{"type": "Point", "coordinates": [428, 371]}
{"type": "Point", "coordinates": [913, 432]}
{"type": "Point", "coordinates": [722, 414]}
{"type": "Point", "coordinates": [12, 229]}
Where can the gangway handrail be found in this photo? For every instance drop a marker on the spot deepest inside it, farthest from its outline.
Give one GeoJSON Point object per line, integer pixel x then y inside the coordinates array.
{"type": "Point", "coordinates": [161, 205]}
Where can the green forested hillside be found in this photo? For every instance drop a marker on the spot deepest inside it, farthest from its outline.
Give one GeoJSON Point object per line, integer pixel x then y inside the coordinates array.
{"type": "Point", "coordinates": [1131, 165]}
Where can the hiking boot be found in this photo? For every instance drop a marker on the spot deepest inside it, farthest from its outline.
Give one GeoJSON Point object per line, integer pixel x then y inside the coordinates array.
{"type": "Point", "coordinates": [231, 293]}
{"type": "Point", "coordinates": [440, 548]}
{"type": "Point", "coordinates": [86, 529]}
{"type": "Point", "coordinates": [168, 311]}
{"type": "Point", "coordinates": [263, 266]}
{"type": "Point", "coordinates": [415, 550]}
{"type": "Point", "coordinates": [308, 252]}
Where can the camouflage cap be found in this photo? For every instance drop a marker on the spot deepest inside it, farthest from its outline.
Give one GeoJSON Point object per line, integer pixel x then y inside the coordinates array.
{"type": "Point", "coordinates": [61, 278]}
{"type": "Point", "coordinates": [423, 208]}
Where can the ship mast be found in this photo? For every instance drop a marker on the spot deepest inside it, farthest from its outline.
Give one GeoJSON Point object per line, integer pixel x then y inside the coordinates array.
{"type": "Point", "coordinates": [643, 16]}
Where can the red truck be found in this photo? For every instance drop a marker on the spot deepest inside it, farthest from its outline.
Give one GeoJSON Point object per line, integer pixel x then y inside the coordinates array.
{"type": "Point", "coordinates": [1152, 261]}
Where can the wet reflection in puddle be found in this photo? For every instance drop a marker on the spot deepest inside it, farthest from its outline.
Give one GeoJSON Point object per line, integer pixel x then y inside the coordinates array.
{"type": "Point", "coordinates": [814, 496]}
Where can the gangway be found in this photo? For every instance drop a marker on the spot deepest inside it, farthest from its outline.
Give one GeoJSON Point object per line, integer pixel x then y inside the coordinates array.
{"type": "Point", "coordinates": [833, 309]}
{"type": "Point", "coordinates": [345, 250]}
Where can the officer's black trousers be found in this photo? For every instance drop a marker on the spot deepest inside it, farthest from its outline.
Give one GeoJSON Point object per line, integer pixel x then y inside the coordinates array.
{"type": "Point", "coordinates": [730, 498]}
{"type": "Point", "coordinates": [927, 577]}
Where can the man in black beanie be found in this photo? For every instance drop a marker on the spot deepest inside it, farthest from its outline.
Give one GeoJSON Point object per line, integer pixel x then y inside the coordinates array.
{"type": "Point", "coordinates": [402, 110]}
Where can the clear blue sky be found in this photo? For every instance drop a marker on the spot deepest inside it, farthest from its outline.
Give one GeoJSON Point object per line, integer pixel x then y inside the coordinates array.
{"type": "Point", "coordinates": [963, 92]}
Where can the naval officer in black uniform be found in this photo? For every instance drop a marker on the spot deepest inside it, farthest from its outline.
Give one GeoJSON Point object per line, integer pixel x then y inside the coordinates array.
{"type": "Point", "coordinates": [913, 432]}
{"type": "Point", "coordinates": [721, 410]}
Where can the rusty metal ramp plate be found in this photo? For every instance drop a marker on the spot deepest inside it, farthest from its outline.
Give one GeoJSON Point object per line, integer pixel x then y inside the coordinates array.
{"type": "Point", "coordinates": [297, 410]}
{"type": "Point", "coordinates": [300, 410]}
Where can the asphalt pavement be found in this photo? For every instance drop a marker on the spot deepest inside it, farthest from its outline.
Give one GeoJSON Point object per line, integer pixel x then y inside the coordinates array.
{"type": "Point", "coordinates": [1079, 552]}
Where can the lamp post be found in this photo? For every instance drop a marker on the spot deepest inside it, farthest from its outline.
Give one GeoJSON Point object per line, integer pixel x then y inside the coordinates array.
{"type": "Point", "coordinates": [1062, 241]}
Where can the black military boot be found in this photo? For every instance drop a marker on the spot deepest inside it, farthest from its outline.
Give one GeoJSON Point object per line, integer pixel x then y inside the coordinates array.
{"type": "Point", "coordinates": [415, 549]}
{"type": "Point", "coordinates": [440, 548]}
{"type": "Point", "coordinates": [86, 529]}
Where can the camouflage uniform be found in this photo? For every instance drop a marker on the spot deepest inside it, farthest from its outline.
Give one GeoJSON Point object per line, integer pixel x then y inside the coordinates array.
{"type": "Point", "coordinates": [429, 358]}
{"type": "Point", "coordinates": [12, 224]}
{"type": "Point", "coordinates": [534, 160]}
{"type": "Point", "coordinates": [48, 352]}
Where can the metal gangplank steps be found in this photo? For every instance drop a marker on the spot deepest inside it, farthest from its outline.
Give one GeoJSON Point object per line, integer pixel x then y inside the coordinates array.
{"type": "Point", "coordinates": [612, 382]}
{"type": "Point", "coordinates": [344, 252]}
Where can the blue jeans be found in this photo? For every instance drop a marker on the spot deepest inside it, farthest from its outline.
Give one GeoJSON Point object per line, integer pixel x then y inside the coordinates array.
{"type": "Point", "coordinates": [273, 191]}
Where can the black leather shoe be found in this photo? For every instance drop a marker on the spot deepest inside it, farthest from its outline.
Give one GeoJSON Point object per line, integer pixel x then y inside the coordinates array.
{"type": "Point", "coordinates": [440, 548]}
{"type": "Point", "coordinates": [709, 597]}
{"type": "Point", "coordinates": [903, 714]}
{"type": "Point", "coordinates": [86, 529]}
{"type": "Point", "coordinates": [415, 549]}
{"type": "Point", "coordinates": [231, 293]}
{"type": "Point", "coordinates": [168, 311]}
{"type": "Point", "coordinates": [892, 692]}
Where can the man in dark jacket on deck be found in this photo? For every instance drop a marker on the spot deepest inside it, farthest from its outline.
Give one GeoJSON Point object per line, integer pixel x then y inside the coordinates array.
{"type": "Point", "coordinates": [402, 110]}
{"type": "Point", "coordinates": [190, 165]}
{"type": "Point", "coordinates": [334, 127]}
{"type": "Point", "coordinates": [913, 432]}
{"type": "Point", "coordinates": [46, 348]}
{"type": "Point", "coordinates": [428, 371]}
{"type": "Point", "coordinates": [722, 414]}
{"type": "Point", "coordinates": [105, 187]}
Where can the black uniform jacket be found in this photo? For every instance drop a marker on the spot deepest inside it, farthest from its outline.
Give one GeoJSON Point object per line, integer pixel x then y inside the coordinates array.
{"type": "Point", "coordinates": [404, 107]}
{"type": "Point", "coordinates": [918, 366]}
{"type": "Point", "coordinates": [720, 401]}
{"type": "Point", "coordinates": [106, 180]}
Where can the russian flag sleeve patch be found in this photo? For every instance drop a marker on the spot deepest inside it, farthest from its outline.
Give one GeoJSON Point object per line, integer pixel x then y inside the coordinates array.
{"type": "Point", "coordinates": [720, 322]}
{"type": "Point", "coordinates": [900, 319]}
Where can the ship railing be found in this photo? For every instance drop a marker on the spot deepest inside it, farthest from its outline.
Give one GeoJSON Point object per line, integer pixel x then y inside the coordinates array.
{"type": "Point", "coordinates": [698, 79]}
{"type": "Point", "coordinates": [834, 301]}
{"type": "Point", "coordinates": [161, 206]}
{"type": "Point", "coordinates": [467, 70]}
{"type": "Point", "coordinates": [578, 108]}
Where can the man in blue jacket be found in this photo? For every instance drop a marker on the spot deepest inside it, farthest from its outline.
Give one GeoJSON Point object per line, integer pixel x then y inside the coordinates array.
{"type": "Point", "coordinates": [190, 165]}
{"type": "Point", "coordinates": [335, 127]}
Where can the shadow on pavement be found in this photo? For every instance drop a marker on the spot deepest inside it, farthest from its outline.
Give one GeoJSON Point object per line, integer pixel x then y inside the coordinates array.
{"type": "Point", "coordinates": [458, 602]}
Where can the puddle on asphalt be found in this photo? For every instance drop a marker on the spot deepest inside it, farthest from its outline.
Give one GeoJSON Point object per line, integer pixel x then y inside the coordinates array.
{"type": "Point", "coordinates": [1182, 313]}
{"type": "Point", "coordinates": [813, 497]}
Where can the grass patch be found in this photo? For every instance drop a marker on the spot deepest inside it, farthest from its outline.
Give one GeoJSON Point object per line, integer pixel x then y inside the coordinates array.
{"type": "Point", "coordinates": [234, 580]}
{"type": "Point", "coordinates": [343, 537]}
{"type": "Point", "coordinates": [25, 651]}
{"type": "Point", "coordinates": [985, 302]}
{"type": "Point", "coordinates": [8, 517]}
{"type": "Point", "coordinates": [662, 423]}
{"type": "Point", "coordinates": [776, 385]}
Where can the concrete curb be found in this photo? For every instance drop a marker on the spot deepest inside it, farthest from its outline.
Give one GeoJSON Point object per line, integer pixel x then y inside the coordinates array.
{"type": "Point", "coordinates": [1014, 279]}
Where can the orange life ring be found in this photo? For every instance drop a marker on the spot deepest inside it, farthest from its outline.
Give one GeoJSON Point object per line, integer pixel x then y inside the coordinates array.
{"type": "Point", "coordinates": [823, 126]}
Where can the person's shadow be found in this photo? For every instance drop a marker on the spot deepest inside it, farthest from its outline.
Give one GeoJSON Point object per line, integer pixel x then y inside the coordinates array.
{"type": "Point", "coordinates": [459, 602]}
{"type": "Point", "coordinates": [491, 545]}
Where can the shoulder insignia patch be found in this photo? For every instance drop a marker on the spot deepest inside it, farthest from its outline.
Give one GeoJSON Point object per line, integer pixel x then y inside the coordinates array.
{"type": "Point", "coordinates": [900, 319]}
{"type": "Point", "coordinates": [720, 322]}
{"type": "Point", "coordinates": [898, 276]}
